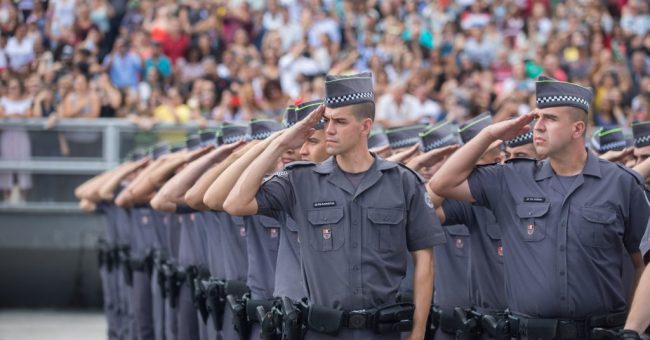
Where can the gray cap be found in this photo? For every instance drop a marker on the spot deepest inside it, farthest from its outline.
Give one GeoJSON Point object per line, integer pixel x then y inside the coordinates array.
{"type": "Point", "coordinates": [603, 140]}
{"type": "Point", "coordinates": [554, 93]}
{"type": "Point", "coordinates": [523, 139]}
{"type": "Point", "coordinates": [232, 133]}
{"type": "Point", "coordinates": [304, 109]}
{"type": "Point", "coordinates": [289, 116]}
{"type": "Point", "coordinates": [262, 128]}
{"type": "Point", "coordinates": [377, 138]}
{"type": "Point", "coordinates": [193, 142]}
{"type": "Point", "coordinates": [438, 136]}
{"type": "Point", "coordinates": [348, 90]}
{"type": "Point", "coordinates": [641, 133]}
{"type": "Point", "coordinates": [208, 137]}
{"type": "Point", "coordinates": [405, 136]}
{"type": "Point", "coordinates": [160, 149]}
{"type": "Point", "coordinates": [471, 128]}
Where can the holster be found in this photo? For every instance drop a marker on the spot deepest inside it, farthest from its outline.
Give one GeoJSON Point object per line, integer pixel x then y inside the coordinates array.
{"type": "Point", "coordinates": [175, 279]}
{"type": "Point", "coordinates": [195, 275]}
{"type": "Point", "coordinates": [394, 318]}
{"type": "Point", "coordinates": [292, 320]}
{"type": "Point", "coordinates": [161, 279]}
{"type": "Point", "coordinates": [240, 318]}
{"type": "Point", "coordinates": [264, 315]}
{"type": "Point", "coordinates": [496, 327]}
{"type": "Point", "coordinates": [215, 298]}
{"type": "Point", "coordinates": [444, 319]}
{"type": "Point", "coordinates": [469, 322]}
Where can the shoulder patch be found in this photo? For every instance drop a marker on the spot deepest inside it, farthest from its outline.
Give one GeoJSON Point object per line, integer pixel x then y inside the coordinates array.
{"type": "Point", "coordinates": [633, 173]}
{"type": "Point", "coordinates": [417, 175]}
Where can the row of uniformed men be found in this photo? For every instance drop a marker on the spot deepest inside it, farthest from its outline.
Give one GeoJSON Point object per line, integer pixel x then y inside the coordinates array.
{"type": "Point", "coordinates": [356, 215]}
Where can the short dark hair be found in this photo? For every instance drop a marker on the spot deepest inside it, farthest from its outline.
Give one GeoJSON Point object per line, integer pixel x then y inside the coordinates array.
{"type": "Point", "coordinates": [364, 110]}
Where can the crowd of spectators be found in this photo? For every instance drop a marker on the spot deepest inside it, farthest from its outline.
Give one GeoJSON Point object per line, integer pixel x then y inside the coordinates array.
{"type": "Point", "coordinates": [202, 60]}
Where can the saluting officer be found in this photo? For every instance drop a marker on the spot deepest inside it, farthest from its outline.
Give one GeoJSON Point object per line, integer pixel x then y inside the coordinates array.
{"type": "Point", "coordinates": [356, 214]}
{"type": "Point", "coordinates": [564, 227]}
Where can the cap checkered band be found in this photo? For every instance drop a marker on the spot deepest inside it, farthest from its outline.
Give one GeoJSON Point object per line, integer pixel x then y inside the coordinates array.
{"type": "Point", "coordinates": [642, 139]}
{"type": "Point", "coordinates": [520, 138]}
{"type": "Point", "coordinates": [234, 139]}
{"type": "Point", "coordinates": [563, 99]}
{"type": "Point", "coordinates": [613, 145]}
{"type": "Point", "coordinates": [438, 143]}
{"type": "Point", "coordinates": [405, 142]}
{"type": "Point", "coordinates": [262, 135]}
{"type": "Point", "coordinates": [349, 97]}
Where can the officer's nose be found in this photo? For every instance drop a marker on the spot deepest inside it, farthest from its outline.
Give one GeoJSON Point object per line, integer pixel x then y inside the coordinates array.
{"type": "Point", "coordinates": [329, 128]}
{"type": "Point", "coordinates": [304, 151]}
{"type": "Point", "coordinates": [539, 125]}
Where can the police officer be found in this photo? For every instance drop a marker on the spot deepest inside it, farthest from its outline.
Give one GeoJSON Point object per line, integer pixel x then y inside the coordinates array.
{"type": "Point", "coordinates": [639, 319]}
{"type": "Point", "coordinates": [563, 227]}
{"type": "Point", "coordinates": [347, 275]}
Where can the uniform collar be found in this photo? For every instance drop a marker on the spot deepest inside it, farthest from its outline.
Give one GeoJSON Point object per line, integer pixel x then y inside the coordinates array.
{"type": "Point", "coordinates": [591, 168]}
{"type": "Point", "coordinates": [336, 177]}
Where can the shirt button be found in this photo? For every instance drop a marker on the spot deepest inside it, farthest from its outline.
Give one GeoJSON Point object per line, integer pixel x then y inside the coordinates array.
{"type": "Point", "coordinates": [355, 267]}
{"type": "Point", "coordinates": [561, 248]}
{"type": "Point", "coordinates": [354, 244]}
{"type": "Point", "coordinates": [562, 272]}
{"type": "Point", "coordinates": [562, 298]}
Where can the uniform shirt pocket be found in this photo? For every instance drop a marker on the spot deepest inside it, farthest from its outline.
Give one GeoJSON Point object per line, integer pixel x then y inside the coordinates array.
{"type": "Point", "coordinates": [385, 228]}
{"type": "Point", "coordinates": [271, 232]}
{"type": "Point", "coordinates": [459, 236]}
{"type": "Point", "coordinates": [494, 233]}
{"type": "Point", "coordinates": [327, 232]}
{"type": "Point", "coordinates": [532, 226]}
{"type": "Point", "coordinates": [596, 226]}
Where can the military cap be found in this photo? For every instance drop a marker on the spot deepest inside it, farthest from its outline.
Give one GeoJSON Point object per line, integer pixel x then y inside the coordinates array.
{"type": "Point", "coordinates": [471, 128]}
{"type": "Point", "coordinates": [348, 90]}
{"type": "Point", "coordinates": [160, 149]}
{"type": "Point", "coordinates": [231, 133]}
{"type": "Point", "coordinates": [137, 154]}
{"type": "Point", "coordinates": [554, 93]}
{"type": "Point", "coordinates": [304, 109]}
{"type": "Point", "coordinates": [208, 137]}
{"type": "Point", "coordinates": [603, 140]}
{"type": "Point", "coordinates": [262, 128]}
{"type": "Point", "coordinates": [641, 133]}
{"type": "Point", "coordinates": [404, 136]}
{"type": "Point", "coordinates": [523, 139]}
{"type": "Point", "coordinates": [193, 142]}
{"type": "Point", "coordinates": [177, 147]}
{"type": "Point", "coordinates": [439, 135]}
{"type": "Point", "coordinates": [289, 116]}
{"type": "Point", "coordinates": [377, 138]}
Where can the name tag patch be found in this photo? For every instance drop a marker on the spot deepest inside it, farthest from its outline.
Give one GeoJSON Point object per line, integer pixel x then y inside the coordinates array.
{"type": "Point", "coordinates": [324, 204]}
{"type": "Point", "coordinates": [535, 199]}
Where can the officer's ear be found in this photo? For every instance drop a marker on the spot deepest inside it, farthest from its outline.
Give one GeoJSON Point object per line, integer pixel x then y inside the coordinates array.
{"type": "Point", "coordinates": [579, 118]}
{"type": "Point", "coordinates": [366, 127]}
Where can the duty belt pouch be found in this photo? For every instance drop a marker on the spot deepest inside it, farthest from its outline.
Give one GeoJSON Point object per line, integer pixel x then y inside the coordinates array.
{"type": "Point", "coordinates": [539, 328]}
{"type": "Point", "coordinates": [324, 320]}
{"type": "Point", "coordinates": [448, 323]}
{"type": "Point", "coordinates": [216, 301]}
{"type": "Point", "coordinates": [394, 318]}
{"type": "Point", "coordinates": [236, 288]}
{"type": "Point", "coordinates": [251, 308]}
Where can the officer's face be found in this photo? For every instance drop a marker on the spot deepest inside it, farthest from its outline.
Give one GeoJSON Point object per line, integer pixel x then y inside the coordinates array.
{"type": "Point", "coordinates": [291, 155]}
{"type": "Point", "coordinates": [641, 154]}
{"type": "Point", "coordinates": [314, 149]}
{"type": "Point", "coordinates": [344, 130]}
{"type": "Point", "coordinates": [492, 155]}
{"type": "Point", "coordinates": [555, 128]}
{"type": "Point", "coordinates": [522, 151]}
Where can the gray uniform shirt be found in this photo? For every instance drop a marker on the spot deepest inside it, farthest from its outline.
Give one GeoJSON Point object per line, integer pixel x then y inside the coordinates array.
{"type": "Point", "coordinates": [233, 243]}
{"type": "Point", "coordinates": [262, 241]}
{"type": "Point", "coordinates": [289, 281]}
{"type": "Point", "coordinates": [563, 252]}
{"type": "Point", "coordinates": [212, 230]}
{"type": "Point", "coordinates": [486, 278]}
{"type": "Point", "coordinates": [144, 234]}
{"type": "Point", "coordinates": [452, 269]}
{"type": "Point", "coordinates": [353, 242]}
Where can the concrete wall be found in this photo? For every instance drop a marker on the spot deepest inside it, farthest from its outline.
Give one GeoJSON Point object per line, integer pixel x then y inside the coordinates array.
{"type": "Point", "coordinates": [48, 259]}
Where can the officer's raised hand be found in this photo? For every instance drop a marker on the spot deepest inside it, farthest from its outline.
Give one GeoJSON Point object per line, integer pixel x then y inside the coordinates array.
{"type": "Point", "coordinates": [296, 136]}
{"type": "Point", "coordinates": [509, 129]}
{"type": "Point", "coordinates": [432, 157]}
{"type": "Point", "coordinates": [405, 154]}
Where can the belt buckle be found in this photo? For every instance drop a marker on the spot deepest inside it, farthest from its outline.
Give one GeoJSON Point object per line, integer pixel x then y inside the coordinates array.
{"type": "Point", "coordinates": [357, 320]}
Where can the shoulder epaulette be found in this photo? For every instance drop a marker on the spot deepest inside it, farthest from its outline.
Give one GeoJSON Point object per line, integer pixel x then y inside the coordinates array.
{"type": "Point", "coordinates": [417, 175]}
{"type": "Point", "coordinates": [298, 164]}
{"type": "Point", "coordinates": [634, 174]}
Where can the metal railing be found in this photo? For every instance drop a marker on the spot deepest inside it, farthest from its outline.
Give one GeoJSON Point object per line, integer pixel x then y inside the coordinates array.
{"type": "Point", "coordinates": [70, 152]}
